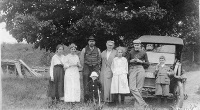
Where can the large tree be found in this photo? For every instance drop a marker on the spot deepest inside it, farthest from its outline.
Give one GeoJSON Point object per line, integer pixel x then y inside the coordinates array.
{"type": "Point", "coordinates": [47, 23]}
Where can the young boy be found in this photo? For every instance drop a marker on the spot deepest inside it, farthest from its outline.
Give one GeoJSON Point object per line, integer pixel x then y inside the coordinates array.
{"type": "Point", "coordinates": [162, 73]}
{"type": "Point", "coordinates": [93, 88]}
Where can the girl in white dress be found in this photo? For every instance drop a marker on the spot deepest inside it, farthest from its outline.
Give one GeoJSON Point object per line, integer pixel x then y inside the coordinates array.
{"type": "Point", "coordinates": [72, 89]}
{"type": "Point", "coordinates": [119, 85]}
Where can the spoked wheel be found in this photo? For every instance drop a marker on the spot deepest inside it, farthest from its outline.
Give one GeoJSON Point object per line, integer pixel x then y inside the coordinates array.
{"type": "Point", "coordinates": [179, 95]}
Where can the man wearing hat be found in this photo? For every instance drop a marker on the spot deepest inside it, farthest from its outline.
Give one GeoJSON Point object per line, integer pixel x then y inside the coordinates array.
{"type": "Point", "coordinates": [90, 59]}
{"type": "Point", "coordinates": [137, 58]}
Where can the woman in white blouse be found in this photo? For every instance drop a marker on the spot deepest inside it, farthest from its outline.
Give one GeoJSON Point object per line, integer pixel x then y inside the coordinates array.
{"type": "Point", "coordinates": [56, 84]}
{"type": "Point", "coordinates": [72, 89]}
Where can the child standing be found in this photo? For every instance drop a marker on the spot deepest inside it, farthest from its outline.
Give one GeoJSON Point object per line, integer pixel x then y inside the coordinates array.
{"type": "Point", "coordinates": [162, 73]}
{"type": "Point", "coordinates": [93, 88]}
{"type": "Point", "coordinates": [119, 84]}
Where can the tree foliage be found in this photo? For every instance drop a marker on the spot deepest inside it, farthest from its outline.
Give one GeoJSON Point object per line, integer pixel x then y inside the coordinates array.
{"type": "Point", "coordinates": [47, 23]}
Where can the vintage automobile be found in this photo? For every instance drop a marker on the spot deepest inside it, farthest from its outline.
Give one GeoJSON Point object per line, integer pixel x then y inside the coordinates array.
{"type": "Point", "coordinates": [171, 48]}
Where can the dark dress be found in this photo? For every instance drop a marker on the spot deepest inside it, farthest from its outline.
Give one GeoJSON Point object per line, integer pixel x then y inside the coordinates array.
{"type": "Point", "coordinates": [56, 87]}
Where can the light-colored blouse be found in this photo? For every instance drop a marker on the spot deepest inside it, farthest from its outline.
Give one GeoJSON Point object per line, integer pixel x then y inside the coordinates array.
{"type": "Point", "coordinates": [55, 61]}
{"type": "Point", "coordinates": [119, 66]}
{"type": "Point", "coordinates": [71, 60]}
{"type": "Point", "coordinates": [108, 54]}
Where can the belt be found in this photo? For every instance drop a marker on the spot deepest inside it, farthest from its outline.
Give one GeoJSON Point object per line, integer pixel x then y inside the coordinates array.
{"type": "Point", "coordinates": [136, 66]}
{"type": "Point", "coordinates": [58, 65]}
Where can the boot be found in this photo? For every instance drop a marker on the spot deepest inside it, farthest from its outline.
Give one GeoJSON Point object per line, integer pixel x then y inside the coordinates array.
{"type": "Point", "coordinates": [165, 100]}
{"type": "Point", "coordinates": [53, 100]}
{"type": "Point", "coordinates": [116, 99]}
{"type": "Point", "coordinates": [122, 99]}
{"type": "Point", "coordinates": [159, 100]}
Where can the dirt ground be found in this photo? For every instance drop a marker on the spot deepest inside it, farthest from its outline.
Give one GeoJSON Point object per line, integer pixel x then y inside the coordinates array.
{"type": "Point", "coordinates": [193, 91]}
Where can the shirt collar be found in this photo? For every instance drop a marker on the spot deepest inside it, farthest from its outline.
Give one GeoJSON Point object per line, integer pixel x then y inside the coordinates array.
{"type": "Point", "coordinates": [162, 65]}
{"type": "Point", "coordinates": [91, 48]}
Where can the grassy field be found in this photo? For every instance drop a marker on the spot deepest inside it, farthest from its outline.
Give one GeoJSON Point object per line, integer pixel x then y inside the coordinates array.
{"type": "Point", "coordinates": [30, 94]}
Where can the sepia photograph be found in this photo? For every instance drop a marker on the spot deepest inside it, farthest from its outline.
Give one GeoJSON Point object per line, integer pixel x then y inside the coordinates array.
{"type": "Point", "coordinates": [99, 55]}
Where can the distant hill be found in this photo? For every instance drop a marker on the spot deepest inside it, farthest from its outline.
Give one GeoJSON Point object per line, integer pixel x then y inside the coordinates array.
{"type": "Point", "coordinates": [30, 55]}
{"type": "Point", "coordinates": [26, 52]}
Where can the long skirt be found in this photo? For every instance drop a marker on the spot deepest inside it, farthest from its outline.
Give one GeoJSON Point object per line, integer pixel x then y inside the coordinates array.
{"type": "Point", "coordinates": [72, 87]}
{"type": "Point", "coordinates": [56, 87]}
{"type": "Point", "coordinates": [119, 84]}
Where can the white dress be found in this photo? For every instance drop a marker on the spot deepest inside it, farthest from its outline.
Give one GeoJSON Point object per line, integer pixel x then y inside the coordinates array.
{"type": "Point", "coordinates": [72, 89]}
{"type": "Point", "coordinates": [119, 83]}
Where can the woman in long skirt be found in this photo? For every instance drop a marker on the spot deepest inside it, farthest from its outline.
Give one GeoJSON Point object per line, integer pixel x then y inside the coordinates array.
{"type": "Point", "coordinates": [72, 90]}
{"type": "Point", "coordinates": [56, 84]}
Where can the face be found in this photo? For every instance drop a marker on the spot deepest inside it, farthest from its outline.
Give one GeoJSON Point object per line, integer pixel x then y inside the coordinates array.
{"type": "Point", "coordinates": [110, 46]}
{"type": "Point", "coordinates": [137, 46]}
{"type": "Point", "coordinates": [162, 60]}
{"type": "Point", "coordinates": [119, 53]}
{"type": "Point", "coordinates": [73, 50]}
{"type": "Point", "coordinates": [91, 43]}
{"type": "Point", "coordinates": [94, 77]}
{"type": "Point", "coordinates": [60, 50]}
{"type": "Point", "coordinates": [149, 47]}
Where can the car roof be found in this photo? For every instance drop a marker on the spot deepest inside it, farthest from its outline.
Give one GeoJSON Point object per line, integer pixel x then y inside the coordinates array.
{"type": "Point", "coordinates": [161, 39]}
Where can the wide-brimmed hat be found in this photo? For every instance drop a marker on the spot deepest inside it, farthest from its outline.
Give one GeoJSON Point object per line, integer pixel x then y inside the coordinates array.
{"type": "Point", "coordinates": [137, 41]}
{"type": "Point", "coordinates": [91, 38]}
{"type": "Point", "coordinates": [94, 74]}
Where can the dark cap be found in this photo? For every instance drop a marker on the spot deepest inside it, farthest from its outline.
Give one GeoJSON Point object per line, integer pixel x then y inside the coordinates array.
{"type": "Point", "coordinates": [91, 38]}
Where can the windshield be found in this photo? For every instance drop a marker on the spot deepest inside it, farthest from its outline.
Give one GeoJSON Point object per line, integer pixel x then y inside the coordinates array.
{"type": "Point", "coordinates": [154, 51]}
{"type": "Point", "coordinates": [159, 48]}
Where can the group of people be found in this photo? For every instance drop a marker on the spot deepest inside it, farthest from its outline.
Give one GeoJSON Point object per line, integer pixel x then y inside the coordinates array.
{"type": "Point", "coordinates": [104, 74]}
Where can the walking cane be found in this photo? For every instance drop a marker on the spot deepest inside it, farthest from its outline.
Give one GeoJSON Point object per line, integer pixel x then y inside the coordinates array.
{"type": "Point", "coordinates": [99, 101]}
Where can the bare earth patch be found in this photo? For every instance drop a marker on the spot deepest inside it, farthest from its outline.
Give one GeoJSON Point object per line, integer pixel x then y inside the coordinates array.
{"type": "Point", "coordinates": [193, 91]}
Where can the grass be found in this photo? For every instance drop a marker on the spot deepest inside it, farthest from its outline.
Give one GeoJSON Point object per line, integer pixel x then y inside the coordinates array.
{"type": "Point", "coordinates": [30, 94]}
{"type": "Point", "coordinates": [198, 92]}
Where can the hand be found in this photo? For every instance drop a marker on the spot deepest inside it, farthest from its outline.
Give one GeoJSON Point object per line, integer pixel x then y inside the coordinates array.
{"type": "Point", "coordinates": [52, 79]}
{"type": "Point", "coordinates": [132, 60]}
{"type": "Point", "coordinates": [169, 73]}
{"type": "Point", "coordinates": [78, 64]}
{"type": "Point", "coordinates": [139, 61]}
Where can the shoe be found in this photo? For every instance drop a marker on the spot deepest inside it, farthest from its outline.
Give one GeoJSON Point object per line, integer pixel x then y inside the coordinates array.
{"type": "Point", "coordinates": [122, 102]}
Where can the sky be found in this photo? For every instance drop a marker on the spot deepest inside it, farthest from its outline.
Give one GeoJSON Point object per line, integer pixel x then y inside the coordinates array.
{"type": "Point", "coordinates": [5, 36]}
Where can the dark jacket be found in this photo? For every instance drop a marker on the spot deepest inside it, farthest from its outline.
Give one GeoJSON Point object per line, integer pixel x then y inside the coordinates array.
{"type": "Point", "coordinates": [92, 88]}
{"type": "Point", "coordinates": [140, 55]}
{"type": "Point", "coordinates": [162, 76]}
